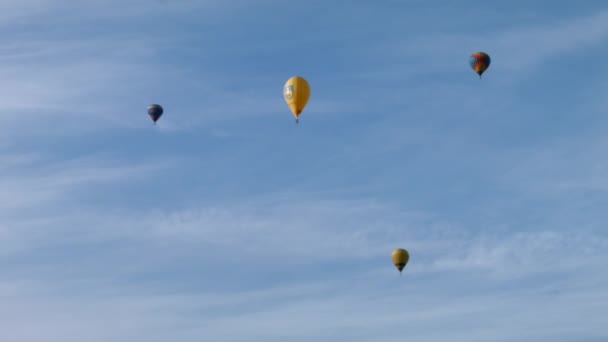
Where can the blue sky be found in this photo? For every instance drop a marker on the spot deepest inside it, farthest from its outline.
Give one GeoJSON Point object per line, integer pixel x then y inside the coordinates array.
{"type": "Point", "coordinates": [227, 222]}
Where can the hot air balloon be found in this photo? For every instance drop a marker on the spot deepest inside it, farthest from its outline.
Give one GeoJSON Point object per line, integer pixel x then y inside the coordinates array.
{"type": "Point", "coordinates": [480, 61]}
{"type": "Point", "coordinates": [155, 111]}
{"type": "Point", "coordinates": [400, 257]}
{"type": "Point", "coordinates": [296, 92]}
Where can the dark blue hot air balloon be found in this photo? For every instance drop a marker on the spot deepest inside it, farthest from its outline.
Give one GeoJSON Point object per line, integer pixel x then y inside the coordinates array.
{"type": "Point", "coordinates": [155, 111]}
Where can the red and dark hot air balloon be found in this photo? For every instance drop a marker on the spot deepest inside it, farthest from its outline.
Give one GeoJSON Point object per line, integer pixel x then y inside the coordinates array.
{"type": "Point", "coordinates": [480, 61]}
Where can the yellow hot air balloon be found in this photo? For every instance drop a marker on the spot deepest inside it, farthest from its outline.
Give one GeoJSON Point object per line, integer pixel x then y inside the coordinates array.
{"type": "Point", "coordinates": [296, 92]}
{"type": "Point", "coordinates": [400, 257]}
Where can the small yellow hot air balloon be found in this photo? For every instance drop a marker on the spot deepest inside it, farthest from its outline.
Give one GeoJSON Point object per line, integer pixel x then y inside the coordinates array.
{"type": "Point", "coordinates": [400, 257]}
{"type": "Point", "coordinates": [296, 92]}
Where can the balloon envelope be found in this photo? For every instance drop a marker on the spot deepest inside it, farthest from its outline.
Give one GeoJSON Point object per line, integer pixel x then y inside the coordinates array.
{"type": "Point", "coordinates": [479, 61]}
{"type": "Point", "coordinates": [155, 111]}
{"type": "Point", "coordinates": [400, 257]}
{"type": "Point", "coordinates": [296, 93]}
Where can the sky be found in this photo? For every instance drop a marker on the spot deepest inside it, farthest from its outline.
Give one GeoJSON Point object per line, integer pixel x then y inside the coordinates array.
{"type": "Point", "coordinates": [228, 222]}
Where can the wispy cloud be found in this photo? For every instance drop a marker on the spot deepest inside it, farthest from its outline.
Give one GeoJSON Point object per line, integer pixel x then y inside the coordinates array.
{"type": "Point", "coordinates": [335, 308]}
{"type": "Point", "coordinates": [351, 288]}
{"type": "Point", "coordinates": [78, 82]}
{"type": "Point", "coordinates": [44, 181]}
{"type": "Point", "coordinates": [337, 232]}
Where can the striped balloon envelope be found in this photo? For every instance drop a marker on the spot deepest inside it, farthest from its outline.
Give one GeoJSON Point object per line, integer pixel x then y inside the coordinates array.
{"type": "Point", "coordinates": [480, 61]}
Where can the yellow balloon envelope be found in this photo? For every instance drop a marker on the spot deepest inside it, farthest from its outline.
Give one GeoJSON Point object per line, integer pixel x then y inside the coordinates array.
{"type": "Point", "coordinates": [296, 92]}
{"type": "Point", "coordinates": [400, 257]}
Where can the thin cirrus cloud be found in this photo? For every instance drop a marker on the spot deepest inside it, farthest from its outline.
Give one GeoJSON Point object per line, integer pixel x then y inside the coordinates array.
{"type": "Point", "coordinates": [223, 238]}
{"type": "Point", "coordinates": [32, 181]}
{"type": "Point", "coordinates": [347, 311]}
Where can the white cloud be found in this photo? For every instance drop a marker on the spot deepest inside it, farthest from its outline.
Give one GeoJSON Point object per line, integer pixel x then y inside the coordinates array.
{"type": "Point", "coordinates": [335, 309]}
{"type": "Point", "coordinates": [40, 182]}
{"type": "Point", "coordinates": [313, 231]}
{"type": "Point", "coordinates": [471, 284]}
{"type": "Point", "coordinates": [525, 253]}
{"type": "Point", "coordinates": [64, 10]}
